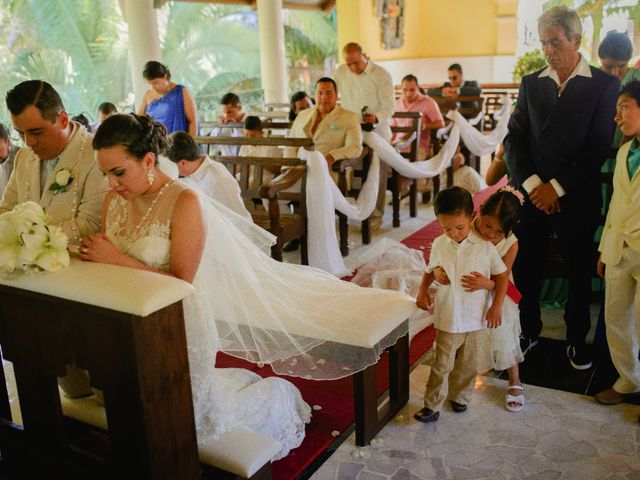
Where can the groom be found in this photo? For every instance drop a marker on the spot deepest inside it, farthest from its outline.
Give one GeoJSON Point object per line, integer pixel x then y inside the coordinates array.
{"type": "Point", "coordinates": [56, 169]}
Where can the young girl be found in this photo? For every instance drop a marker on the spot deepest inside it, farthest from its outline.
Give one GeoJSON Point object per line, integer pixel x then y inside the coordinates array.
{"type": "Point", "coordinates": [502, 350]}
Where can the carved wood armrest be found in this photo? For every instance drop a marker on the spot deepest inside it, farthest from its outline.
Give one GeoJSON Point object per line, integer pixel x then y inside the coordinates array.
{"type": "Point", "coordinates": [285, 180]}
{"type": "Point", "coordinates": [342, 164]}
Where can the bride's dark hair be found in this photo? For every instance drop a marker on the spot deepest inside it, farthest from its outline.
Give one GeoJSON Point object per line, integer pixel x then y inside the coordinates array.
{"type": "Point", "coordinates": [138, 134]}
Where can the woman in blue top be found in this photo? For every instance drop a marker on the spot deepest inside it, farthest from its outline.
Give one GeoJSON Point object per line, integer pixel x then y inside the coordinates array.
{"type": "Point", "coordinates": [167, 102]}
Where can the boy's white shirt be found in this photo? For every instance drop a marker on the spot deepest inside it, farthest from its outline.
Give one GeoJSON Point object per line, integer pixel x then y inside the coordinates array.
{"type": "Point", "coordinates": [623, 218]}
{"type": "Point", "coordinates": [456, 310]}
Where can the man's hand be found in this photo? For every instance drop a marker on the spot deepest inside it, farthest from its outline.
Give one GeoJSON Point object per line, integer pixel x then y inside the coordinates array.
{"type": "Point", "coordinates": [544, 197]}
{"type": "Point", "coordinates": [441, 276]}
{"type": "Point", "coordinates": [451, 92]}
{"type": "Point", "coordinates": [329, 159]}
{"type": "Point", "coordinates": [600, 267]}
{"type": "Point", "coordinates": [369, 118]}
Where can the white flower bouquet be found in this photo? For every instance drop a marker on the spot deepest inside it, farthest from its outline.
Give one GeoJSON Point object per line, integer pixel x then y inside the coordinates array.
{"type": "Point", "coordinates": [28, 243]}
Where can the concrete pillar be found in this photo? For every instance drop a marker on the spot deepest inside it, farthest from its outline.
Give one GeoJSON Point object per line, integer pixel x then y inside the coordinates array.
{"type": "Point", "coordinates": [273, 69]}
{"type": "Point", "coordinates": [144, 41]}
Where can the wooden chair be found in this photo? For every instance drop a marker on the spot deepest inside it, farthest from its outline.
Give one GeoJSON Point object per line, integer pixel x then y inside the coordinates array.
{"type": "Point", "coordinates": [395, 183]}
{"type": "Point", "coordinates": [254, 186]}
{"type": "Point", "coordinates": [359, 168]}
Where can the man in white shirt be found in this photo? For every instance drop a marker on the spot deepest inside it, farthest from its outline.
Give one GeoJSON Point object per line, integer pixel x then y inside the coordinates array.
{"type": "Point", "coordinates": [560, 134]}
{"type": "Point", "coordinates": [367, 89]}
{"type": "Point", "coordinates": [232, 113]}
{"type": "Point", "coordinates": [7, 154]}
{"type": "Point", "coordinates": [206, 175]}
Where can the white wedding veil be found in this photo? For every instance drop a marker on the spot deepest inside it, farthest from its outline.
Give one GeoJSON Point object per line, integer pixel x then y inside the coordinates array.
{"type": "Point", "coordinates": [301, 320]}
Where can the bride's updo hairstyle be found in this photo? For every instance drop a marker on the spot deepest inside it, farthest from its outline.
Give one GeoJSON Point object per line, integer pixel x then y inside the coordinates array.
{"type": "Point", "coordinates": [138, 134]}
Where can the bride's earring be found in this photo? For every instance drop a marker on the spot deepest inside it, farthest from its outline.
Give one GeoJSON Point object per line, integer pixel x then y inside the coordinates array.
{"type": "Point", "coordinates": [150, 177]}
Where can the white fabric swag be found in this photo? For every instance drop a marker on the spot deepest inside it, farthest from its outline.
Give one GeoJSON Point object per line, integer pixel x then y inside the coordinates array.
{"type": "Point", "coordinates": [324, 197]}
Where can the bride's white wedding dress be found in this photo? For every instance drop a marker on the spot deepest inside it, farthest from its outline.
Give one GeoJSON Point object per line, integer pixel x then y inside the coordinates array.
{"type": "Point", "coordinates": [246, 304]}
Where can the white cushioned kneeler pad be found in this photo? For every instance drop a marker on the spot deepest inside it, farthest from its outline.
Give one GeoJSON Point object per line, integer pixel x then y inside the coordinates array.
{"type": "Point", "coordinates": [123, 289]}
{"type": "Point", "coordinates": [239, 451]}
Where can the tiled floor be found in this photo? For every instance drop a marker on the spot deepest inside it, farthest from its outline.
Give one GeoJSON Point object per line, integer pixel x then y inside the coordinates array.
{"type": "Point", "coordinates": [562, 434]}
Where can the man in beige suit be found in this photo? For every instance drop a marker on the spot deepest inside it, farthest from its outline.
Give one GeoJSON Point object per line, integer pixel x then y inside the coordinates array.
{"type": "Point", "coordinates": [335, 131]}
{"type": "Point", "coordinates": [57, 170]}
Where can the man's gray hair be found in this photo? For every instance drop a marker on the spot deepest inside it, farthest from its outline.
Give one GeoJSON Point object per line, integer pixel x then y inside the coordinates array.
{"type": "Point", "coordinates": [562, 17]}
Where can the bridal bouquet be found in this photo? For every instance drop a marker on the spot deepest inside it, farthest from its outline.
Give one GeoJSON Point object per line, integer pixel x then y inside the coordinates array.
{"type": "Point", "coordinates": [28, 243]}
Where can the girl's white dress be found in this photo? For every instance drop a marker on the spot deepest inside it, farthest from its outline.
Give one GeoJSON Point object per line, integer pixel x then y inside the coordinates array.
{"type": "Point", "coordinates": [502, 344]}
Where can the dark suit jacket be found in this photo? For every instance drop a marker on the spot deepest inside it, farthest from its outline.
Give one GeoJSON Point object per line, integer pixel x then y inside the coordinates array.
{"type": "Point", "coordinates": [567, 137]}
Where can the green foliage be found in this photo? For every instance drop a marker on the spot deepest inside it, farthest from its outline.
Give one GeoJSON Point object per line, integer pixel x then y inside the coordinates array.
{"type": "Point", "coordinates": [81, 48]}
{"type": "Point", "coordinates": [528, 63]}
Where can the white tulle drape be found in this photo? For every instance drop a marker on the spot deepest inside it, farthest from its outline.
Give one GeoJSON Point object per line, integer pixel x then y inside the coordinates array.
{"type": "Point", "coordinates": [324, 197]}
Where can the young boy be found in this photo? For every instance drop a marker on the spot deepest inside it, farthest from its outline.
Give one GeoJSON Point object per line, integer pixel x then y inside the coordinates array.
{"type": "Point", "coordinates": [459, 314]}
{"type": "Point", "coordinates": [620, 253]}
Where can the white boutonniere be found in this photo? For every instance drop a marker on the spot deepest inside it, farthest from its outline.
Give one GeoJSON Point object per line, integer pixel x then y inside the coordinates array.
{"type": "Point", "coordinates": [62, 180]}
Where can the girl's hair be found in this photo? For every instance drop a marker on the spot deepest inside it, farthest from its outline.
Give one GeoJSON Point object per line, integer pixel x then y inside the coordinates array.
{"type": "Point", "coordinates": [138, 134]}
{"type": "Point", "coordinates": [505, 206]}
{"type": "Point", "coordinates": [153, 69]}
{"type": "Point", "coordinates": [632, 90]}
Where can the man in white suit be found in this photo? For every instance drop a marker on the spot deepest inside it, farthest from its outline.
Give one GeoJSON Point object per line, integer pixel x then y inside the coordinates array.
{"type": "Point", "coordinates": [57, 170]}
{"type": "Point", "coordinates": [335, 131]}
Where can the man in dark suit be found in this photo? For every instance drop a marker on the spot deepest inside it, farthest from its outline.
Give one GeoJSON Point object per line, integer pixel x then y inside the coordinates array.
{"type": "Point", "coordinates": [457, 86]}
{"type": "Point", "coordinates": [559, 135]}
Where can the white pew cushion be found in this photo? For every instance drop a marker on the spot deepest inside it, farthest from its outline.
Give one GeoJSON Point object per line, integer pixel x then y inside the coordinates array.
{"type": "Point", "coordinates": [123, 289]}
{"type": "Point", "coordinates": [239, 451]}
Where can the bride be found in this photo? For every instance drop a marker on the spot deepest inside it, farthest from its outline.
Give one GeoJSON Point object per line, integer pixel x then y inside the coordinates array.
{"type": "Point", "coordinates": [246, 304]}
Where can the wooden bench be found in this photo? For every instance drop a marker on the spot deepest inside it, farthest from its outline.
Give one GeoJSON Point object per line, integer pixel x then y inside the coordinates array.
{"type": "Point", "coordinates": [250, 171]}
{"type": "Point", "coordinates": [100, 318]}
{"type": "Point", "coordinates": [411, 133]}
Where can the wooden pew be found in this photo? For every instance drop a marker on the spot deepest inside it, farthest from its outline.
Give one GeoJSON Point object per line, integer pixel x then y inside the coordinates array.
{"type": "Point", "coordinates": [250, 174]}
{"type": "Point", "coordinates": [395, 182]}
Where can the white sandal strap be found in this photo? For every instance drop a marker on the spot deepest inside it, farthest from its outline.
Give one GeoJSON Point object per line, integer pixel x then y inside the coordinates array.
{"type": "Point", "coordinates": [515, 399]}
{"type": "Point", "coordinates": [516, 387]}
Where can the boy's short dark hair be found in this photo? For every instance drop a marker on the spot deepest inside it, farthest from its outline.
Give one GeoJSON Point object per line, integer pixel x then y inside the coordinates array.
{"type": "Point", "coordinates": [453, 201]}
{"type": "Point", "coordinates": [632, 90]}
{"type": "Point", "coordinates": [455, 66]}
{"type": "Point", "coordinates": [616, 45]}
{"type": "Point", "coordinates": [183, 147]}
{"type": "Point", "coordinates": [38, 93]}
{"type": "Point", "coordinates": [253, 123]}
{"type": "Point", "coordinates": [230, 99]}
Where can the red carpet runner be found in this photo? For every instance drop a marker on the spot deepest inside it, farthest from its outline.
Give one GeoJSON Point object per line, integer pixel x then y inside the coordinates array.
{"type": "Point", "coordinates": [336, 397]}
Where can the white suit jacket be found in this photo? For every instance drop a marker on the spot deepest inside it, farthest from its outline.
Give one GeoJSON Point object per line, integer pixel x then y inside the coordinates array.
{"type": "Point", "coordinates": [338, 133]}
{"type": "Point", "coordinates": [78, 209]}
{"type": "Point", "coordinates": [623, 219]}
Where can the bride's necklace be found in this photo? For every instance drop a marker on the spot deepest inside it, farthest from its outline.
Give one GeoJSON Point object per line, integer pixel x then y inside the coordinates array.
{"type": "Point", "coordinates": [142, 220]}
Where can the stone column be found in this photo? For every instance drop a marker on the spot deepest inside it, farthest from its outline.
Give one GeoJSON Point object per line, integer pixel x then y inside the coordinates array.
{"type": "Point", "coordinates": [273, 70]}
{"type": "Point", "coordinates": [144, 41]}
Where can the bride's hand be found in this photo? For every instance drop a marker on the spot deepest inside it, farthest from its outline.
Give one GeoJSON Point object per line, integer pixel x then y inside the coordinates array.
{"type": "Point", "coordinates": [98, 248]}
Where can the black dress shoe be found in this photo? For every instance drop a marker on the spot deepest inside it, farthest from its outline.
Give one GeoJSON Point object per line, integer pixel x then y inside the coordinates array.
{"type": "Point", "coordinates": [426, 415]}
{"type": "Point", "coordinates": [291, 246]}
{"type": "Point", "coordinates": [458, 407]}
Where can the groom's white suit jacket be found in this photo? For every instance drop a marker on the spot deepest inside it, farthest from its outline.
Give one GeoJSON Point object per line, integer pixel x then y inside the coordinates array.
{"type": "Point", "coordinates": [78, 209]}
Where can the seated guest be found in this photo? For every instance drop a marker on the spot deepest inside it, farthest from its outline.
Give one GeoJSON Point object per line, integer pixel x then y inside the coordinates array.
{"type": "Point", "coordinates": [208, 176]}
{"type": "Point", "coordinates": [82, 120]}
{"type": "Point", "coordinates": [412, 100]}
{"type": "Point", "coordinates": [457, 86]}
{"type": "Point", "coordinates": [231, 110]}
{"type": "Point", "coordinates": [335, 131]}
{"type": "Point", "coordinates": [253, 128]}
{"type": "Point", "coordinates": [105, 110]}
{"type": "Point", "coordinates": [299, 101]}
{"type": "Point", "coordinates": [166, 101]}
{"type": "Point", "coordinates": [7, 154]}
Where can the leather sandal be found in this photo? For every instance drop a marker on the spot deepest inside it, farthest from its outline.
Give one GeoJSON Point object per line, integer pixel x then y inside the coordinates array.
{"type": "Point", "coordinates": [514, 403]}
{"type": "Point", "coordinates": [458, 407]}
{"type": "Point", "coordinates": [426, 415]}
